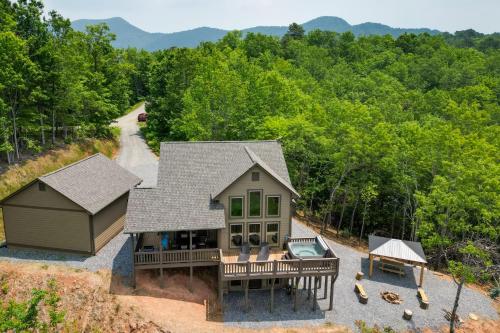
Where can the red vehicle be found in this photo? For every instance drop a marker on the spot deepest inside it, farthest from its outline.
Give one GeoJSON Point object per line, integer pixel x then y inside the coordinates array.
{"type": "Point", "coordinates": [142, 117]}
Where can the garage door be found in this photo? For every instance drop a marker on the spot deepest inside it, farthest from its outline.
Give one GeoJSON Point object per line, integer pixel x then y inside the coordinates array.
{"type": "Point", "coordinates": [54, 229]}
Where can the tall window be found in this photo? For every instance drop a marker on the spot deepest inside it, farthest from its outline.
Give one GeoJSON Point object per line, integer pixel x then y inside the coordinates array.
{"type": "Point", "coordinates": [273, 233]}
{"type": "Point", "coordinates": [273, 205]}
{"type": "Point", "coordinates": [254, 234]}
{"type": "Point", "coordinates": [254, 203]}
{"type": "Point", "coordinates": [236, 207]}
{"type": "Point", "coordinates": [235, 235]}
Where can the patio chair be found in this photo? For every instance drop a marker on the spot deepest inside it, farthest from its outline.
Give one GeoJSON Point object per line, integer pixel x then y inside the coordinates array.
{"type": "Point", "coordinates": [244, 252]}
{"type": "Point", "coordinates": [236, 240]}
{"type": "Point", "coordinates": [263, 252]}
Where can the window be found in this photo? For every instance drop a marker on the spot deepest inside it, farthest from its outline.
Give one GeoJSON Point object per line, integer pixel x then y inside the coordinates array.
{"type": "Point", "coordinates": [273, 205]}
{"type": "Point", "coordinates": [235, 207]}
{"type": "Point", "coordinates": [255, 176]}
{"type": "Point", "coordinates": [254, 203]}
{"type": "Point", "coordinates": [41, 186]}
{"type": "Point", "coordinates": [235, 235]}
{"type": "Point", "coordinates": [254, 234]}
{"type": "Point", "coordinates": [273, 233]}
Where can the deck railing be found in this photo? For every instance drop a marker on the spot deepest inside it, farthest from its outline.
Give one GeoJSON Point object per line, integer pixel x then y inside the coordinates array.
{"type": "Point", "coordinates": [176, 257]}
{"type": "Point", "coordinates": [280, 268]}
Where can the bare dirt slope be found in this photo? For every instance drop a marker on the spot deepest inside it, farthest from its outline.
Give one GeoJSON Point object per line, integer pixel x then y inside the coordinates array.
{"type": "Point", "coordinates": [98, 302]}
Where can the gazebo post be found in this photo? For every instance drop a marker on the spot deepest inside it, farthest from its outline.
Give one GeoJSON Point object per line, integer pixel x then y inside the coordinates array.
{"type": "Point", "coordinates": [371, 264]}
{"type": "Point", "coordinates": [422, 268]}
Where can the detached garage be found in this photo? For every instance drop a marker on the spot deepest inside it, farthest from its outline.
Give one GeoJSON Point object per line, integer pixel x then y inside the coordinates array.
{"type": "Point", "coordinates": [78, 208]}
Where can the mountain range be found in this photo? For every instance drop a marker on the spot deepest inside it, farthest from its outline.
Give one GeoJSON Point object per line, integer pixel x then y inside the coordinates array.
{"type": "Point", "coordinates": [129, 35]}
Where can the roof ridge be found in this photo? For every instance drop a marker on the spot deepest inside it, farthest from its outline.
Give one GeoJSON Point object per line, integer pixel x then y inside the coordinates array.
{"type": "Point", "coordinates": [70, 165]}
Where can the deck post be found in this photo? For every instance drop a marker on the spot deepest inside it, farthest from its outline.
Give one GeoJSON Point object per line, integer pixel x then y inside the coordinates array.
{"type": "Point", "coordinates": [190, 261]}
{"type": "Point", "coordinates": [272, 294]}
{"type": "Point", "coordinates": [422, 268]}
{"type": "Point", "coordinates": [133, 260]}
{"type": "Point", "coordinates": [325, 294]}
{"type": "Point", "coordinates": [304, 283]}
{"type": "Point", "coordinates": [247, 282]}
{"type": "Point", "coordinates": [160, 262]}
{"type": "Point", "coordinates": [309, 288]}
{"type": "Point", "coordinates": [371, 264]}
{"type": "Point", "coordinates": [295, 295]}
{"type": "Point", "coordinates": [221, 291]}
{"type": "Point", "coordinates": [332, 281]}
{"type": "Point", "coordinates": [315, 299]}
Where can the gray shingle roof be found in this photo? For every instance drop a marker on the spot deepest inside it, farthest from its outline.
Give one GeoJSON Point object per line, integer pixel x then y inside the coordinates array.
{"type": "Point", "coordinates": [190, 174]}
{"type": "Point", "coordinates": [93, 183]}
{"type": "Point", "coordinates": [396, 248]}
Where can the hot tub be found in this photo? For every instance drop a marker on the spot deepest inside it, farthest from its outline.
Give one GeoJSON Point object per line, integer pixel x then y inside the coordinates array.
{"type": "Point", "coordinates": [307, 249]}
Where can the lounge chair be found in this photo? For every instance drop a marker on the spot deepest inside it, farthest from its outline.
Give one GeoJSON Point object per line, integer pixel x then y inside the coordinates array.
{"type": "Point", "coordinates": [244, 252]}
{"type": "Point", "coordinates": [263, 252]}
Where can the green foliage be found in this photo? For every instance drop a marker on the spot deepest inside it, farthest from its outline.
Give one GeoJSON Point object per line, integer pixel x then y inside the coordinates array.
{"type": "Point", "coordinates": [364, 328]}
{"type": "Point", "coordinates": [24, 316]}
{"type": "Point", "coordinates": [57, 84]}
{"type": "Point", "coordinates": [392, 135]}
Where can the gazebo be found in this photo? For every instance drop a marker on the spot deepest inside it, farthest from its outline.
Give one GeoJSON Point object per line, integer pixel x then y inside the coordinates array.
{"type": "Point", "coordinates": [396, 249]}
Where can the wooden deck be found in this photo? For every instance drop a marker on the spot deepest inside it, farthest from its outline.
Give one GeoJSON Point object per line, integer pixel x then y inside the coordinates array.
{"type": "Point", "coordinates": [234, 256]}
{"type": "Point", "coordinates": [177, 258]}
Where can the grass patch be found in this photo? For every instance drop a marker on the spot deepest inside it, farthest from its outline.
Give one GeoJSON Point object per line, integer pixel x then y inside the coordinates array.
{"type": "Point", "coordinates": [19, 175]}
{"type": "Point", "coordinates": [133, 107]}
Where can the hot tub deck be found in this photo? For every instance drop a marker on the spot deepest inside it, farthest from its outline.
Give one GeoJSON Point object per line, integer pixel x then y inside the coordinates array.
{"type": "Point", "coordinates": [234, 256]}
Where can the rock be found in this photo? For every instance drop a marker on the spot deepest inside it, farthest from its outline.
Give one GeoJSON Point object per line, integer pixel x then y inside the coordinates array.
{"type": "Point", "coordinates": [407, 314]}
{"type": "Point", "coordinates": [473, 316]}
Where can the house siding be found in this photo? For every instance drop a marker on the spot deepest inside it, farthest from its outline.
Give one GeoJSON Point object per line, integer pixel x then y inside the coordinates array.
{"type": "Point", "coordinates": [269, 186]}
{"type": "Point", "coordinates": [31, 196]}
{"type": "Point", "coordinates": [47, 228]}
{"type": "Point", "coordinates": [109, 221]}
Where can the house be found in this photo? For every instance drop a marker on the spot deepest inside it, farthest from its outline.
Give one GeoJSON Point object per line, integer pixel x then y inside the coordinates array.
{"type": "Point", "coordinates": [228, 205]}
{"type": "Point", "coordinates": [78, 208]}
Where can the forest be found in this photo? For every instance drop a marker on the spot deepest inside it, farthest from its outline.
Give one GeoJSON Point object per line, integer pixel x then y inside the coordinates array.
{"type": "Point", "coordinates": [398, 137]}
{"type": "Point", "coordinates": [58, 85]}
{"type": "Point", "coordinates": [394, 136]}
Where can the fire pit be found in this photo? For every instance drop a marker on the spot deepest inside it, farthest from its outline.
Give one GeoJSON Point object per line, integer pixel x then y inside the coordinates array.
{"type": "Point", "coordinates": [391, 297]}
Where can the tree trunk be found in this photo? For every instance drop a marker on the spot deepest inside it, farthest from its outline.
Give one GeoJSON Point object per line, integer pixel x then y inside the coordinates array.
{"type": "Point", "coordinates": [42, 133]}
{"type": "Point", "coordinates": [393, 220]}
{"type": "Point", "coordinates": [363, 222]}
{"type": "Point", "coordinates": [6, 139]}
{"type": "Point", "coordinates": [455, 305]}
{"type": "Point", "coordinates": [53, 126]}
{"type": "Point", "coordinates": [330, 201]}
{"type": "Point", "coordinates": [14, 126]}
{"type": "Point", "coordinates": [344, 201]}
{"type": "Point", "coordinates": [353, 214]}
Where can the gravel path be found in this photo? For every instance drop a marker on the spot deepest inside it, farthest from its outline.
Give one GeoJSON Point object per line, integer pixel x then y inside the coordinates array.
{"type": "Point", "coordinates": [347, 309]}
{"type": "Point", "coordinates": [135, 155]}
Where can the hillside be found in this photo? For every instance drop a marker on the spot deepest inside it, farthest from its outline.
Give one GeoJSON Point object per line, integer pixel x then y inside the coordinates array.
{"type": "Point", "coordinates": [129, 35]}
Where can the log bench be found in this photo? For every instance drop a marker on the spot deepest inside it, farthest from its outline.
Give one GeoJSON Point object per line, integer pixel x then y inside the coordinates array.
{"type": "Point", "coordinates": [363, 296]}
{"type": "Point", "coordinates": [393, 266]}
{"type": "Point", "coordinates": [422, 296]}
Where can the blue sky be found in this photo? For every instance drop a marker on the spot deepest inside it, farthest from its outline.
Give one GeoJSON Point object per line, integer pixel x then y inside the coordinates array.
{"type": "Point", "coordinates": [176, 15]}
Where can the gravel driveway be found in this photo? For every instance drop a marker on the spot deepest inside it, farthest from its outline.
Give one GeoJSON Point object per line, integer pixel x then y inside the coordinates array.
{"type": "Point", "coordinates": [135, 155]}
{"type": "Point", "coordinates": [347, 309]}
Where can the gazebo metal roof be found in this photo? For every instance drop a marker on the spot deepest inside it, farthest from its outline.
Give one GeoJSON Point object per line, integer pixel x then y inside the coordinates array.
{"type": "Point", "coordinates": [396, 248]}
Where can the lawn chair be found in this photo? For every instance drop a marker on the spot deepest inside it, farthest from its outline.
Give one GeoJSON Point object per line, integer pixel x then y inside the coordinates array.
{"type": "Point", "coordinates": [244, 252]}
{"type": "Point", "coordinates": [263, 252]}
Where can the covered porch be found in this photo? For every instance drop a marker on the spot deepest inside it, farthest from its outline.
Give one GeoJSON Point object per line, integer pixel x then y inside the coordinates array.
{"type": "Point", "coordinates": [175, 249]}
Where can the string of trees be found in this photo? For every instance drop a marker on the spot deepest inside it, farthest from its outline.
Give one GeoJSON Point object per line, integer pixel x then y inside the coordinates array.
{"type": "Point", "coordinates": [394, 136]}
{"type": "Point", "coordinates": [57, 84]}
